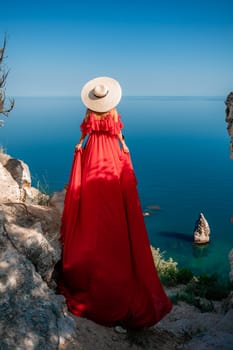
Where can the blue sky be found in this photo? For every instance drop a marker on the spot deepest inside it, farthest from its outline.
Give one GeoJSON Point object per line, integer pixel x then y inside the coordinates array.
{"type": "Point", "coordinates": [152, 47]}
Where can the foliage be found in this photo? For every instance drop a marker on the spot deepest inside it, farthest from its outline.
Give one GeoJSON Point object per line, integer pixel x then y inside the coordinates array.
{"type": "Point", "coordinates": [43, 188]}
{"type": "Point", "coordinates": [184, 275]}
{"type": "Point", "coordinates": [42, 184]}
{"type": "Point", "coordinates": [203, 305]}
{"type": "Point", "coordinates": [168, 272]}
{"type": "Point", "coordinates": [210, 287]}
{"type": "Point", "coordinates": [201, 290]}
{"type": "Point", "coordinates": [198, 291]}
{"type": "Point", "coordinates": [169, 278]}
{"type": "Point", "coordinates": [164, 267]}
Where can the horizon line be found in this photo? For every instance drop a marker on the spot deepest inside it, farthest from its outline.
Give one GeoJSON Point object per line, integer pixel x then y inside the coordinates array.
{"type": "Point", "coordinates": [78, 96]}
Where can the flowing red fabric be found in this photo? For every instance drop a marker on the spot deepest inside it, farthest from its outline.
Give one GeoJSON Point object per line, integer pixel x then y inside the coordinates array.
{"type": "Point", "coordinates": [108, 272]}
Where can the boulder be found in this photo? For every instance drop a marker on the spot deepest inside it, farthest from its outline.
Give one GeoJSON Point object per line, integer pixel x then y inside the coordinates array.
{"type": "Point", "coordinates": [30, 241]}
{"type": "Point", "coordinates": [32, 316]}
{"type": "Point", "coordinates": [3, 157]}
{"type": "Point", "coordinates": [32, 195]}
{"type": "Point", "coordinates": [34, 232]}
{"type": "Point", "coordinates": [201, 231]}
{"type": "Point", "coordinates": [19, 171]}
{"type": "Point", "coordinates": [9, 189]}
{"type": "Point", "coordinates": [15, 182]}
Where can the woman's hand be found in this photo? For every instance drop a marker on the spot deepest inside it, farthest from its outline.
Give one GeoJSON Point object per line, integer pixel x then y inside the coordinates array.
{"type": "Point", "coordinates": [125, 148]}
{"type": "Point", "coordinates": [78, 146]}
{"type": "Point", "coordinates": [122, 141]}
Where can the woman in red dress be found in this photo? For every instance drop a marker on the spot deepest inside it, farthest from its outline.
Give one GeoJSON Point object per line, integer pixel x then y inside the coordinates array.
{"type": "Point", "coordinates": [108, 273]}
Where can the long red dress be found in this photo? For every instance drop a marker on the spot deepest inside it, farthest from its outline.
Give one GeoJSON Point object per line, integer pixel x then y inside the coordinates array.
{"type": "Point", "coordinates": [108, 273]}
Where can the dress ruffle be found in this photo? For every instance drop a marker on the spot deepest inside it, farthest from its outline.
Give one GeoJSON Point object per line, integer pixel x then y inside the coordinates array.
{"type": "Point", "coordinates": [106, 125]}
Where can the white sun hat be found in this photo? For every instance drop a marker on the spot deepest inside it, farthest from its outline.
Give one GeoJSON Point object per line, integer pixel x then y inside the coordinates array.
{"type": "Point", "coordinates": [101, 94]}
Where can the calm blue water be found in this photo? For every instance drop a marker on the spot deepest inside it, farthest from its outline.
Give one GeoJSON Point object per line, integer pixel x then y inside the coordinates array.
{"type": "Point", "coordinates": [179, 147]}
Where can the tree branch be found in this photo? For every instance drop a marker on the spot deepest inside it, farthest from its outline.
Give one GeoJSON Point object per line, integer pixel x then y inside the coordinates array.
{"type": "Point", "coordinates": [3, 77]}
{"type": "Point", "coordinates": [2, 50]}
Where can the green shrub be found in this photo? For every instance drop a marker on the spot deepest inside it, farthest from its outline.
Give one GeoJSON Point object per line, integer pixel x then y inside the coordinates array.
{"type": "Point", "coordinates": [167, 269]}
{"type": "Point", "coordinates": [169, 277]}
{"type": "Point", "coordinates": [184, 275]}
{"type": "Point", "coordinates": [202, 304]}
{"type": "Point", "coordinates": [161, 264]}
{"type": "Point", "coordinates": [210, 287]}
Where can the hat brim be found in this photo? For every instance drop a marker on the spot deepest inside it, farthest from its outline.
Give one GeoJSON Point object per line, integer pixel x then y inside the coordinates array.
{"type": "Point", "coordinates": [101, 104]}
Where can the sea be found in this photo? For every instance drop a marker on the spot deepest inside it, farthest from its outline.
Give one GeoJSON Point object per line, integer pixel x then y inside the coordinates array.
{"type": "Point", "coordinates": [180, 152]}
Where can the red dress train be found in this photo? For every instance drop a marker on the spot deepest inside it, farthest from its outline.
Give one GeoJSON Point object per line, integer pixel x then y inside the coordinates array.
{"type": "Point", "coordinates": [108, 273]}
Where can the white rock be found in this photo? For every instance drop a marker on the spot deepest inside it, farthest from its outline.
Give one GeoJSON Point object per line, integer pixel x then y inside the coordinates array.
{"type": "Point", "coordinates": [201, 231]}
{"type": "Point", "coordinates": [9, 189]}
{"type": "Point", "coordinates": [4, 157]}
{"type": "Point", "coordinates": [19, 171]}
{"type": "Point", "coordinates": [32, 195]}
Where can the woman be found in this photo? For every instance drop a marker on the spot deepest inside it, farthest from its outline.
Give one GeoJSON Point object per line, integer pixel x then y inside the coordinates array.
{"type": "Point", "coordinates": [109, 274]}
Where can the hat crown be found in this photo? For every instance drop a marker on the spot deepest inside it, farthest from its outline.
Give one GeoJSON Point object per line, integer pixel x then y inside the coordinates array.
{"type": "Point", "coordinates": [101, 94]}
{"type": "Point", "coordinates": [100, 90]}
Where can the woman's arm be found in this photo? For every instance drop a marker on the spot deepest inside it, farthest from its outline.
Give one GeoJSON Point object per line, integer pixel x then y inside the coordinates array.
{"type": "Point", "coordinates": [83, 135]}
{"type": "Point", "coordinates": [120, 136]}
{"type": "Point", "coordinates": [79, 144]}
{"type": "Point", "coordinates": [122, 141]}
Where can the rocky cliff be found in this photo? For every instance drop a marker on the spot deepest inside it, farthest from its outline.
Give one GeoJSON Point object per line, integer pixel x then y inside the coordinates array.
{"type": "Point", "coordinates": [229, 120]}
{"type": "Point", "coordinates": [33, 316]}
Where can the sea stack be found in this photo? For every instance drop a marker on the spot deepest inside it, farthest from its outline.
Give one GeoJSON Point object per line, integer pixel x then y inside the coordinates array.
{"type": "Point", "coordinates": [201, 231]}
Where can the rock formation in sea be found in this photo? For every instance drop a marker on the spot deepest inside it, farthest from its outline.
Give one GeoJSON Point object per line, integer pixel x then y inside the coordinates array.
{"type": "Point", "coordinates": [201, 231]}
{"type": "Point", "coordinates": [229, 120]}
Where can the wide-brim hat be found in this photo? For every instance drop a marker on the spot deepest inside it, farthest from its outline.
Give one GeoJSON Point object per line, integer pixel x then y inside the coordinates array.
{"type": "Point", "coordinates": [101, 94]}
